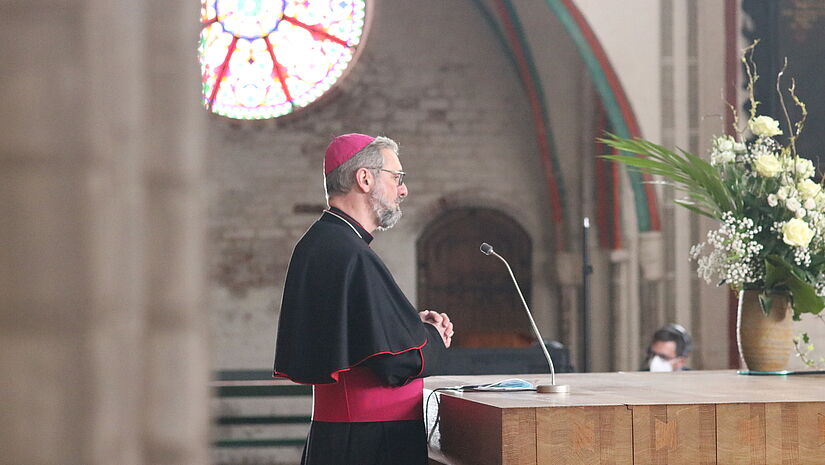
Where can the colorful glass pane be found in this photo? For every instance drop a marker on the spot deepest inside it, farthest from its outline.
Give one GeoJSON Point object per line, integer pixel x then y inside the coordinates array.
{"type": "Point", "coordinates": [266, 58]}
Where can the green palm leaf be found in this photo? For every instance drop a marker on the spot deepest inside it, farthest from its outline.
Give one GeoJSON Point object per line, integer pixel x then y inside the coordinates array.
{"type": "Point", "coordinates": [707, 193]}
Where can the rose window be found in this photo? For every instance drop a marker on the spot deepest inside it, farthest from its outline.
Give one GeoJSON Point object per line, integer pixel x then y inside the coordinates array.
{"type": "Point", "coordinates": [266, 58]}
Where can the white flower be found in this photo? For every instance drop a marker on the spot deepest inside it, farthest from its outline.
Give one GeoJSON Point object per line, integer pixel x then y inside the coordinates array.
{"type": "Point", "coordinates": [809, 204]}
{"type": "Point", "coordinates": [739, 147]}
{"type": "Point", "coordinates": [772, 200]}
{"type": "Point", "coordinates": [764, 126]}
{"type": "Point", "coordinates": [767, 166]}
{"type": "Point", "coordinates": [802, 257]}
{"type": "Point", "coordinates": [800, 213]}
{"type": "Point", "coordinates": [793, 204]}
{"type": "Point", "coordinates": [820, 199]}
{"type": "Point", "coordinates": [808, 189]}
{"type": "Point", "coordinates": [803, 167]}
{"type": "Point", "coordinates": [782, 193]}
{"type": "Point", "coordinates": [797, 233]}
{"type": "Point", "coordinates": [733, 255]}
{"type": "Point", "coordinates": [722, 151]}
{"type": "Point", "coordinates": [722, 157]}
{"type": "Point", "coordinates": [725, 144]}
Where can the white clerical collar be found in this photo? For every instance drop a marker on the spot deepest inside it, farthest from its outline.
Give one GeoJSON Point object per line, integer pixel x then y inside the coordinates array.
{"type": "Point", "coordinates": [345, 221]}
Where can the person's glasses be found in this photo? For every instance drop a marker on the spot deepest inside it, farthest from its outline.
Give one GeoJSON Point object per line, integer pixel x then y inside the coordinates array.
{"type": "Point", "coordinates": [399, 175]}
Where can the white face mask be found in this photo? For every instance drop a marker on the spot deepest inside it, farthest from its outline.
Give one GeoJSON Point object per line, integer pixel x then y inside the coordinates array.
{"type": "Point", "coordinates": [659, 364]}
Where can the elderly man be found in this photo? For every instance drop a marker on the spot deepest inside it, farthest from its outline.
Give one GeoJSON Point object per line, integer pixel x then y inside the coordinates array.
{"type": "Point", "coordinates": [345, 325]}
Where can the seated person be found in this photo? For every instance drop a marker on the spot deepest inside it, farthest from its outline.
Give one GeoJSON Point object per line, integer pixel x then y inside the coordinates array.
{"type": "Point", "coordinates": [669, 349]}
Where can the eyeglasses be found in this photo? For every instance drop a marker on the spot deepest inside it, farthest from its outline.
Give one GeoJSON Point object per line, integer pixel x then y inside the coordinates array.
{"type": "Point", "coordinates": [399, 175]}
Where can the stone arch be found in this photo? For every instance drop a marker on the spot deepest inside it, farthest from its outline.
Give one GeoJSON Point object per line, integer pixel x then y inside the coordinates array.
{"type": "Point", "coordinates": [451, 272]}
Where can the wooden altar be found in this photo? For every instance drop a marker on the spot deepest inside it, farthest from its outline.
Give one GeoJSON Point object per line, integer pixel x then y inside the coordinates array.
{"type": "Point", "coordinates": [692, 417]}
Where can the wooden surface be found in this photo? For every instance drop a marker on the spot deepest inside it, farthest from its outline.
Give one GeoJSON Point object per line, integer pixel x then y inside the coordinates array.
{"type": "Point", "coordinates": [590, 434]}
{"type": "Point", "coordinates": [694, 417]}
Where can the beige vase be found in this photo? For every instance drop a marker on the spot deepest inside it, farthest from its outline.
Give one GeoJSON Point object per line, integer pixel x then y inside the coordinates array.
{"type": "Point", "coordinates": [765, 341]}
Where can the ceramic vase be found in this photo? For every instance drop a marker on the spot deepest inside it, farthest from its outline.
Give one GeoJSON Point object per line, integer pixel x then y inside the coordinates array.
{"type": "Point", "coordinates": [765, 341]}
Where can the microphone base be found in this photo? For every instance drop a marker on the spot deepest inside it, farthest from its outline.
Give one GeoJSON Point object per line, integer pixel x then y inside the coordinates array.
{"type": "Point", "coordinates": [552, 388]}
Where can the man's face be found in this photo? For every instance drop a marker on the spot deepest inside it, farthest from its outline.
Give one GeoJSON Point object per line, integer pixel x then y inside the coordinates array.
{"type": "Point", "coordinates": [387, 196]}
{"type": "Point", "coordinates": [667, 351]}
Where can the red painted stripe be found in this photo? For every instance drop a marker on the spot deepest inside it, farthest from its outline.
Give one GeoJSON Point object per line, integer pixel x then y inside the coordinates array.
{"type": "Point", "coordinates": [617, 223]}
{"type": "Point", "coordinates": [316, 30]}
{"type": "Point", "coordinates": [599, 171]}
{"type": "Point", "coordinates": [621, 99]}
{"type": "Point", "coordinates": [222, 73]}
{"type": "Point", "coordinates": [276, 67]}
{"type": "Point", "coordinates": [601, 201]}
{"type": "Point", "coordinates": [209, 21]}
{"type": "Point", "coordinates": [731, 83]}
{"type": "Point", "coordinates": [538, 123]}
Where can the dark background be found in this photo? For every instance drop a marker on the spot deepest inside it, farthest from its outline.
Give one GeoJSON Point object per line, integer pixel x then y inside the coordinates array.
{"type": "Point", "coordinates": [794, 29]}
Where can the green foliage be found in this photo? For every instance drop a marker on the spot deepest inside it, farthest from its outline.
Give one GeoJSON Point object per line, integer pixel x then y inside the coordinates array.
{"type": "Point", "coordinates": [706, 193]}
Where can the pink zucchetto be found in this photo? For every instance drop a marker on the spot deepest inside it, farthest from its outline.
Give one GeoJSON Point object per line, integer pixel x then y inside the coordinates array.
{"type": "Point", "coordinates": [342, 148]}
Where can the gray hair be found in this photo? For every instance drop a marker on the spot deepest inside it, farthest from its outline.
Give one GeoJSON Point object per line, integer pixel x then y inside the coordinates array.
{"type": "Point", "coordinates": [340, 180]}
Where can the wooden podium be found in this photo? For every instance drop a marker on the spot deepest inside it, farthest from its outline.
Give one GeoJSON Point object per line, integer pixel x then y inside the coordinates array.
{"type": "Point", "coordinates": [691, 417]}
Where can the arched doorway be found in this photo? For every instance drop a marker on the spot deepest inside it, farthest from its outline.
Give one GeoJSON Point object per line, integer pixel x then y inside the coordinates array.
{"type": "Point", "coordinates": [474, 289]}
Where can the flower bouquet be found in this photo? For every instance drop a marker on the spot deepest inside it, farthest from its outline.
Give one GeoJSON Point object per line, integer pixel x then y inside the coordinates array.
{"type": "Point", "coordinates": [771, 237]}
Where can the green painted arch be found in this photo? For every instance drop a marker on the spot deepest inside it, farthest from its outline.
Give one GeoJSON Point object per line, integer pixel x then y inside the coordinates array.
{"type": "Point", "coordinates": [619, 112]}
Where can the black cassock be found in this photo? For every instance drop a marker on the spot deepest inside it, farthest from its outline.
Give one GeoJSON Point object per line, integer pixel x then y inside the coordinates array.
{"type": "Point", "coordinates": [347, 328]}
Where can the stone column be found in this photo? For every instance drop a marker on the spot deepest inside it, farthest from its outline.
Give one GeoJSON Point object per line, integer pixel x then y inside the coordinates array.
{"type": "Point", "coordinates": [176, 360]}
{"type": "Point", "coordinates": [569, 285]}
{"type": "Point", "coordinates": [651, 263]}
{"type": "Point", "coordinates": [101, 337]}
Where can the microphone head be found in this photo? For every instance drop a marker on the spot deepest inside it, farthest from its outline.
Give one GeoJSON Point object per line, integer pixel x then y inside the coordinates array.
{"type": "Point", "coordinates": [486, 248]}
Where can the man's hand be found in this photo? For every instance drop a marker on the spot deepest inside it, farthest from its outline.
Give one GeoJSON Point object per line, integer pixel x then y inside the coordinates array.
{"type": "Point", "coordinates": [441, 322]}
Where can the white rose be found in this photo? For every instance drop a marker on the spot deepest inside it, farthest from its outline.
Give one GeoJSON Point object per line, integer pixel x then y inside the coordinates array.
{"type": "Point", "coordinates": [782, 193]}
{"type": "Point", "coordinates": [725, 144]}
{"type": "Point", "coordinates": [820, 198]}
{"type": "Point", "coordinates": [797, 233]}
{"type": "Point", "coordinates": [804, 168]}
{"type": "Point", "coordinates": [764, 126]}
{"type": "Point", "coordinates": [725, 157]}
{"type": "Point", "coordinates": [792, 204]}
{"type": "Point", "coordinates": [772, 200]}
{"type": "Point", "coordinates": [767, 166]}
{"type": "Point", "coordinates": [739, 147]}
{"type": "Point", "coordinates": [801, 213]}
{"type": "Point", "coordinates": [808, 189]}
{"type": "Point", "coordinates": [809, 204]}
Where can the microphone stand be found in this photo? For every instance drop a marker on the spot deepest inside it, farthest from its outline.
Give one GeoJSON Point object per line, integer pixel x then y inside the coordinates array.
{"type": "Point", "coordinates": [487, 249]}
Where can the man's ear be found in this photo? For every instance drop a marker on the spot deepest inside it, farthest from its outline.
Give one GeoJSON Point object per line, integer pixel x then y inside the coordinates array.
{"type": "Point", "coordinates": [364, 179]}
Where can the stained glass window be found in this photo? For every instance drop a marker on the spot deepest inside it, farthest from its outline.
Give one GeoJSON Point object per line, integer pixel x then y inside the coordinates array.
{"type": "Point", "coordinates": [266, 58]}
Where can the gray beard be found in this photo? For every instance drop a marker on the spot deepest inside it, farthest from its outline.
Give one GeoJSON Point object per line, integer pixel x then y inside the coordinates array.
{"type": "Point", "coordinates": [388, 215]}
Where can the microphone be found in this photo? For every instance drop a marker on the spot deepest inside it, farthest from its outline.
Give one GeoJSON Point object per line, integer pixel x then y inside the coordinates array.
{"type": "Point", "coordinates": [487, 249]}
